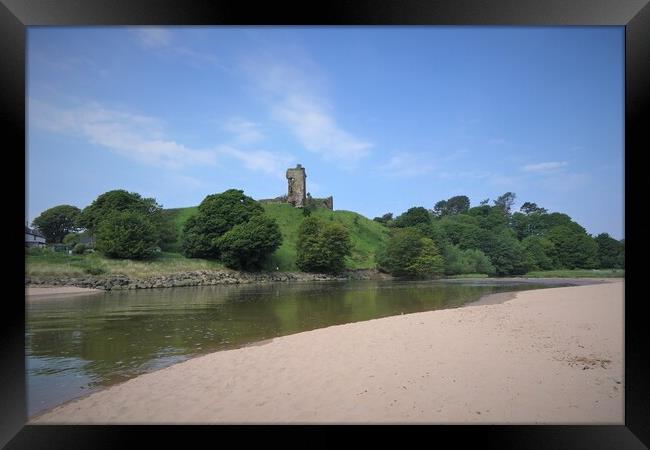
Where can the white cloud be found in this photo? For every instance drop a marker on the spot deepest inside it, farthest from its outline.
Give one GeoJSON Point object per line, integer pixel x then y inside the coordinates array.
{"type": "Point", "coordinates": [408, 165]}
{"type": "Point", "coordinates": [464, 175]}
{"type": "Point", "coordinates": [295, 93]}
{"type": "Point", "coordinates": [563, 183]}
{"type": "Point", "coordinates": [272, 163]}
{"type": "Point", "coordinates": [318, 131]}
{"type": "Point", "coordinates": [153, 37]}
{"type": "Point", "coordinates": [456, 155]}
{"type": "Point", "coordinates": [245, 132]}
{"type": "Point", "coordinates": [161, 41]}
{"type": "Point", "coordinates": [137, 137]}
{"type": "Point", "coordinates": [545, 167]}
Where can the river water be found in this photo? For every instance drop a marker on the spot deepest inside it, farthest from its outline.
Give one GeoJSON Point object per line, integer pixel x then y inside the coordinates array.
{"type": "Point", "coordinates": [83, 343]}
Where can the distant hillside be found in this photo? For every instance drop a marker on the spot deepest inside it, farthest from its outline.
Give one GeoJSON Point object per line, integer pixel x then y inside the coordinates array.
{"type": "Point", "coordinates": [367, 236]}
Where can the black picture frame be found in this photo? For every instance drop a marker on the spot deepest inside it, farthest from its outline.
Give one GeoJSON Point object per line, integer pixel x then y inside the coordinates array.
{"type": "Point", "coordinates": [634, 15]}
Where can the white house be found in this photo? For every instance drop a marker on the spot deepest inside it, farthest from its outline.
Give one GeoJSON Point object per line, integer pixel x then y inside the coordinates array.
{"type": "Point", "coordinates": [33, 238]}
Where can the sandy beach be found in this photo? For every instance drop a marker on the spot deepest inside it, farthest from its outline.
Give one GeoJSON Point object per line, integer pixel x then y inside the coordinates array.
{"type": "Point", "coordinates": [44, 293]}
{"type": "Point", "coordinates": [552, 356]}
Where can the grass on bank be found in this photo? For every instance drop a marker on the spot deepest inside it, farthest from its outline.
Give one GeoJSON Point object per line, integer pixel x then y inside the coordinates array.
{"type": "Point", "coordinates": [366, 236]}
{"type": "Point", "coordinates": [578, 273]}
{"type": "Point", "coordinates": [51, 264]}
{"type": "Point", "coordinates": [468, 275]}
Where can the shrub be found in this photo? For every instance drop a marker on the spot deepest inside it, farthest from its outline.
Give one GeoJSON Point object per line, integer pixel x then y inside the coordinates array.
{"type": "Point", "coordinates": [246, 246]}
{"type": "Point", "coordinates": [217, 214]}
{"type": "Point", "coordinates": [127, 234]}
{"type": "Point", "coordinates": [55, 223]}
{"type": "Point", "coordinates": [79, 249]}
{"type": "Point", "coordinates": [410, 254]}
{"type": "Point", "coordinates": [71, 239]}
{"type": "Point", "coordinates": [94, 270]}
{"type": "Point", "coordinates": [412, 217]}
{"type": "Point", "coordinates": [322, 246]}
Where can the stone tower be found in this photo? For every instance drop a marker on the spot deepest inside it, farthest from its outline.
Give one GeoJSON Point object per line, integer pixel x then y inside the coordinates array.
{"type": "Point", "coordinates": [297, 193]}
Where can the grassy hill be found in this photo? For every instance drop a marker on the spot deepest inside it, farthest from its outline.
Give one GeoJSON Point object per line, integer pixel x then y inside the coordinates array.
{"type": "Point", "coordinates": [366, 236]}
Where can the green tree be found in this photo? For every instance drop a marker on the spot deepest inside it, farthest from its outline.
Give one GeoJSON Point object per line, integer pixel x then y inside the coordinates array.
{"type": "Point", "coordinates": [120, 200]}
{"type": "Point", "coordinates": [409, 254]}
{"type": "Point", "coordinates": [386, 219]}
{"type": "Point", "coordinates": [479, 262]}
{"type": "Point", "coordinates": [216, 215]}
{"type": "Point", "coordinates": [71, 239]}
{"type": "Point", "coordinates": [610, 252]}
{"type": "Point", "coordinates": [459, 261]}
{"type": "Point", "coordinates": [58, 221]}
{"type": "Point", "coordinates": [115, 201]}
{"type": "Point", "coordinates": [412, 217]}
{"type": "Point", "coordinates": [322, 246]}
{"type": "Point", "coordinates": [504, 202]}
{"type": "Point", "coordinates": [462, 230]}
{"type": "Point", "coordinates": [489, 217]}
{"type": "Point", "coordinates": [127, 234]}
{"type": "Point", "coordinates": [532, 208]}
{"type": "Point", "coordinates": [537, 253]}
{"type": "Point", "coordinates": [505, 252]}
{"type": "Point", "coordinates": [454, 205]}
{"type": "Point", "coordinates": [246, 245]}
{"type": "Point", "coordinates": [573, 248]}
{"type": "Point", "coordinates": [79, 249]}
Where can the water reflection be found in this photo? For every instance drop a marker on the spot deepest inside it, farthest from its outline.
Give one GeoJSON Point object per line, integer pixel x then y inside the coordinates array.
{"type": "Point", "coordinates": [82, 343]}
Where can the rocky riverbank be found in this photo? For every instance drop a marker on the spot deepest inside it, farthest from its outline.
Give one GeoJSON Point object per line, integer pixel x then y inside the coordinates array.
{"type": "Point", "coordinates": [197, 278]}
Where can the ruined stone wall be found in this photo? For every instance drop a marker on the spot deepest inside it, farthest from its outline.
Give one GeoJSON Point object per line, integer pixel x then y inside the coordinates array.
{"type": "Point", "coordinates": [323, 202]}
{"type": "Point", "coordinates": [297, 189]}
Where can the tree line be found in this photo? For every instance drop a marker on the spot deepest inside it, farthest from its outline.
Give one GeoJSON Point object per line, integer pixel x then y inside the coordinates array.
{"type": "Point", "coordinates": [492, 240]}
{"type": "Point", "coordinates": [451, 238]}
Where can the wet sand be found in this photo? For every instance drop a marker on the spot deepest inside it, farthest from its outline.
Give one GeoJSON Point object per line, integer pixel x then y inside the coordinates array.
{"type": "Point", "coordinates": [45, 293]}
{"type": "Point", "coordinates": [552, 356]}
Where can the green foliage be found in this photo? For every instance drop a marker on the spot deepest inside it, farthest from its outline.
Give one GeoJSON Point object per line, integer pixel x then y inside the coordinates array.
{"type": "Point", "coordinates": [410, 254]}
{"type": "Point", "coordinates": [537, 253]}
{"type": "Point", "coordinates": [79, 249]}
{"type": "Point", "coordinates": [94, 270]}
{"type": "Point", "coordinates": [127, 234]}
{"type": "Point", "coordinates": [611, 253]}
{"type": "Point", "coordinates": [504, 202]}
{"type": "Point", "coordinates": [71, 239]}
{"type": "Point", "coordinates": [489, 218]}
{"type": "Point", "coordinates": [216, 215]}
{"type": "Point", "coordinates": [246, 245]}
{"type": "Point", "coordinates": [462, 230]}
{"type": "Point", "coordinates": [455, 205]}
{"type": "Point", "coordinates": [412, 217]}
{"type": "Point", "coordinates": [573, 248]}
{"type": "Point", "coordinates": [577, 273]}
{"type": "Point", "coordinates": [57, 222]}
{"type": "Point", "coordinates": [115, 201]}
{"type": "Point", "coordinates": [505, 252]}
{"type": "Point", "coordinates": [458, 261]}
{"type": "Point", "coordinates": [532, 208]}
{"type": "Point", "coordinates": [322, 246]}
{"type": "Point", "coordinates": [365, 235]}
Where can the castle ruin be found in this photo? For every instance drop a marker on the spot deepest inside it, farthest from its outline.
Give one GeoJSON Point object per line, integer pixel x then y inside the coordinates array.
{"type": "Point", "coordinates": [297, 193]}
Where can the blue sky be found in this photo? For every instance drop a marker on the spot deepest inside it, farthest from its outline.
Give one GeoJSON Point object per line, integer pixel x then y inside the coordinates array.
{"type": "Point", "coordinates": [383, 118]}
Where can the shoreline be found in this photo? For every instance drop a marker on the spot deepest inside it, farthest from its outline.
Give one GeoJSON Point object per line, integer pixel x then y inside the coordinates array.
{"type": "Point", "coordinates": [224, 277]}
{"type": "Point", "coordinates": [45, 293]}
{"type": "Point", "coordinates": [197, 278]}
{"type": "Point", "coordinates": [294, 349]}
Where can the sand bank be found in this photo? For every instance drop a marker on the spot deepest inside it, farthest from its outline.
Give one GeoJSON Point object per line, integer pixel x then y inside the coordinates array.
{"type": "Point", "coordinates": [547, 356]}
{"type": "Point", "coordinates": [39, 293]}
